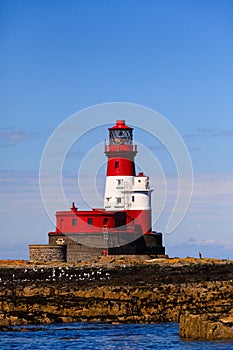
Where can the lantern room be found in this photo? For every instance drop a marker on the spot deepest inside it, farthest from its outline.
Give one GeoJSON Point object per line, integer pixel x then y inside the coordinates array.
{"type": "Point", "coordinates": [121, 140]}
{"type": "Point", "coordinates": [120, 134]}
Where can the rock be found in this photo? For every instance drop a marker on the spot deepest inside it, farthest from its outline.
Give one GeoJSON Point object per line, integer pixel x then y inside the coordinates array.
{"type": "Point", "coordinates": [205, 327]}
{"type": "Point", "coordinates": [150, 293]}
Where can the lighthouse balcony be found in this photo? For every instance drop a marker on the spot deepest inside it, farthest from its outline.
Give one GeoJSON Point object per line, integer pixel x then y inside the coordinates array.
{"type": "Point", "coordinates": [108, 149]}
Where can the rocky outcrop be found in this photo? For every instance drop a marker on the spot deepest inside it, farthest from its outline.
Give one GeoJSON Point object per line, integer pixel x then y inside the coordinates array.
{"type": "Point", "coordinates": [206, 326]}
{"type": "Point", "coordinates": [151, 292]}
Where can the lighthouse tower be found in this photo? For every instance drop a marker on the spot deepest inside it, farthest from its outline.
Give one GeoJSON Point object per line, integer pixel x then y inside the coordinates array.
{"type": "Point", "coordinates": [125, 191]}
{"type": "Point", "coordinates": [122, 226]}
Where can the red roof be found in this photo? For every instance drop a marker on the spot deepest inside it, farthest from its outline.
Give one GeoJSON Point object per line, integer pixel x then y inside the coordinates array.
{"type": "Point", "coordinates": [120, 124]}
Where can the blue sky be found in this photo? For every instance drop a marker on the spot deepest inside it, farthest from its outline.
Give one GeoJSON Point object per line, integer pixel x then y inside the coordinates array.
{"type": "Point", "coordinates": [58, 57]}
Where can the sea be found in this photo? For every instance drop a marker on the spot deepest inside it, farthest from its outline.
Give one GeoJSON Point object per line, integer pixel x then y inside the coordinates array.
{"type": "Point", "coordinates": [103, 336]}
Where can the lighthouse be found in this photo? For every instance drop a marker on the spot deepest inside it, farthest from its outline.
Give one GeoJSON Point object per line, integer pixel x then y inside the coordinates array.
{"type": "Point", "coordinates": [124, 190]}
{"type": "Point", "coordinates": [123, 226]}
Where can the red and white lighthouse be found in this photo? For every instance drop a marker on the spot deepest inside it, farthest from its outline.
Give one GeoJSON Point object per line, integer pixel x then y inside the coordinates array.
{"type": "Point", "coordinates": [123, 225]}
{"type": "Point", "coordinates": [124, 190]}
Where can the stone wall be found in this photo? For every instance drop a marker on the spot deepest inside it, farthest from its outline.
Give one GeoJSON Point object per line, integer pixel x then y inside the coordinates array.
{"type": "Point", "coordinates": [75, 251]}
{"type": "Point", "coordinates": [40, 253]}
{"type": "Point", "coordinates": [84, 248]}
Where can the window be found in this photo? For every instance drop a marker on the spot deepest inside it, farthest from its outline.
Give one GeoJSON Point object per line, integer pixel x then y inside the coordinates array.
{"type": "Point", "coordinates": [74, 222]}
{"type": "Point", "coordinates": [121, 136]}
{"type": "Point", "coordinates": [132, 198]}
{"type": "Point", "coordinates": [116, 165]}
{"type": "Point", "coordinates": [118, 200]}
{"type": "Point", "coordinates": [90, 221]}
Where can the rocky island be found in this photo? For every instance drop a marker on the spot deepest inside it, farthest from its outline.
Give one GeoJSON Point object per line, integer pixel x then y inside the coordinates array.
{"type": "Point", "coordinates": [198, 293]}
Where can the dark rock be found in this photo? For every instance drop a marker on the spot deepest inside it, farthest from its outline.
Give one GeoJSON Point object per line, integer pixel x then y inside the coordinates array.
{"type": "Point", "coordinates": [145, 292]}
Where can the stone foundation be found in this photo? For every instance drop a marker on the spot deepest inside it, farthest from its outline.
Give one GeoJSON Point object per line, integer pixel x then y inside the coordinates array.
{"type": "Point", "coordinates": [75, 251]}
{"type": "Point", "coordinates": [79, 246]}
{"type": "Point", "coordinates": [40, 253]}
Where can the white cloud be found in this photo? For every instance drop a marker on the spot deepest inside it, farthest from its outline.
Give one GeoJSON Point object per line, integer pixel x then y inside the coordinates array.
{"type": "Point", "coordinates": [14, 135]}
{"type": "Point", "coordinates": [210, 132]}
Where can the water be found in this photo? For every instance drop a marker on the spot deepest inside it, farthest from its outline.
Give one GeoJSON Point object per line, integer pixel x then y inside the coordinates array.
{"type": "Point", "coordinates": [96, 336]}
